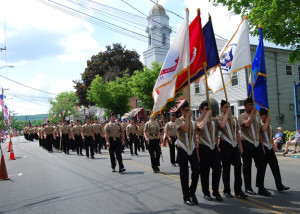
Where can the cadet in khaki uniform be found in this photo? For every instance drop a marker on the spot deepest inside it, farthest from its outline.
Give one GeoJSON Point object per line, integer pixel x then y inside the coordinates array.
{"type": "Point", "coordinates": [88, 135]}
{"type": "Point", "coordinates": [209, 152]}
{"type": "Point", "coordinates": [250, 127]}
{"type": "Point", "coordinates": [270, 157]}
{"type": "Point", "coordinates": [113, 132]}
{"type": "Point", "coordinates": [98, 138]}
{"type": "Point", "coordinates": [64, 133]}
{"type": "Point", "coordinates": [187, 152]}
{"type": "Point", "coordinates": [49, 136]}
{"type": "Point", "coordinates": [39, 134]}
{"type": "Point", "coordinates": [171, 135]}
{"type": "Point", "coordinates": [132, 133]}
{"type": "Point", "coordinates": [141, 127]}
{"type": "Point", "coordinates": [77, 137]}
{"type": "Point", "coordinates": [55, 133]}
{"type": "Point", "coordinates": [231, 150]}
{"type": "Point", "coordinates": [124, 126]}
{"type": "Point", "coordinates": [151, 133]}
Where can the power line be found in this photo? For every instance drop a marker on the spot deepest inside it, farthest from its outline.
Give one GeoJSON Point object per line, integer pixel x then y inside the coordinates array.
{"type": "Point", "coordinates": [168, 10]}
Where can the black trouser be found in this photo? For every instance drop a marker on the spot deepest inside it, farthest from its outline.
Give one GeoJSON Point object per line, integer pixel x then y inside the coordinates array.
{"type": "Point", "coordinates": [271, 159]}
{"type": "Point", "coordinates": [103, 143]}
{"type": "Point", "coordinates": [172, 149]}
{"type": "Point", "coordinates": [98, 142]}
{"type": "Point", "coordinates": [183, 159]}
{"type": "Point", "coordinates": [115, 150]}
{"type": "Point", "coordinates": [57, 142]}
{"type": "Point", "coordinates": [133, 140]}
{"type": "Point", "coordinates": [154, 150]}
{"type": "Point", "coordinates": [231, 155]}
{"type": "Point", "coordinates": [89, 145]}
{"type": "Point", "coordinates": [65, 143]}
{"type": "Point", "coordinates": [126, 141]}
{"type": "Point", "coordinates": [209, 159]}
{"type": "Point", "coordinates": [78, 143]}
{"type": "Point", "coordinates": [250, 151]}
{"type": "Point", "coordinates": [142, 142]}
{"type": "Point", "coordinates": [49, 140]}
{"type": "Point", "coordinates": [40, 141]}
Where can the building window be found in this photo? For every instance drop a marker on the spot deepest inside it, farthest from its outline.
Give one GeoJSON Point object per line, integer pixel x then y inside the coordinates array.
{"type": "Point", "coordinates": [232, 110]}
{"type": "Point", "coordinates": [288, 70]}
{"type": "Point", "coordinates": [149, 39]}
{"type": "Point", "coordinates": [299, 72]}
{"type": "Point", "coordinates": [241, 111]}
{"type": "Point", "coordinates": [234, 79]}
{"type": "Point", "coordinates": [241, 103]}
{"type": "Point", "coordinates": [197, 88]}
{"type": "Point", "coordinates": [164, 39]}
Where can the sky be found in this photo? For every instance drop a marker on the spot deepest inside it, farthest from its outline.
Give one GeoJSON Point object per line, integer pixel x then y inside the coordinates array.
{"type": "Point", "coordinates": [49, 49]}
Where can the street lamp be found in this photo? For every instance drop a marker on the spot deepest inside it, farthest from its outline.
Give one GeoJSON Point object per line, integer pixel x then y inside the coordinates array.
{"type": "Point", "coordinates": [7, 66]}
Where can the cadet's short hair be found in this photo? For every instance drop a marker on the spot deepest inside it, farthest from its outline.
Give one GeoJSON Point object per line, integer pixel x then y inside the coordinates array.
{"type": "Point", "coordinates": [247, 101]}
{"type": "Point", "coordinates": [203, 104]}
{"type": "Point", "coordinates": [263, 111]}
{"type": "Point", "coordinates": [185, 104]}
{"type": "Point", "coordinates": [173, 114]}
{"type": "Point", "coordinates": [112, 114]}
{"type": "Point", "coordinates": [223, 102]}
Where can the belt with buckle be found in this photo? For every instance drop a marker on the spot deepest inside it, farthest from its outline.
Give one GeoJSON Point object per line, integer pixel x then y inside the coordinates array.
{"type": "Point", "coordinates": [153, 135]}
{"type": "Point", "coordinates": [114, 138]}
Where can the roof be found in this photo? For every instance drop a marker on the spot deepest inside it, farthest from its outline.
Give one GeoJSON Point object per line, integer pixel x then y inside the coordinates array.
{"type": "Point", "coordinates": [178, 105]}
{"type": "Point", "coordinates": [132, 113]}
{"type": "Point", "coordinates": [157, 9]}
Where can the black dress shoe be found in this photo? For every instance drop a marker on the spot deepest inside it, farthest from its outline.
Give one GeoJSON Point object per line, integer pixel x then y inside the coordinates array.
{"type": "Point", "coordinates": [194, 199]}
{"type": "Point", "coordinates": [264, 192]}
{"type": "Point", "coordinates": [155, 171]}
{"type": "Point", "coordinates": [250, 191]}
{"type": "Point", "coordinates": [173, 164]}
{"type": "Point", "coordinates": [217, 196]}
{"type": "Point", "coordinates": [208, 197]}
{"type": "Point", "coordinates": [122, 170]}
{"type": "Point", "coordinates": [228, 194]}
{"type": "Point", "coordinates": [93, 157]}
{"type": "Point", "coordinates": [113, 170]}
{"type": "Point", "coordinates": [188, 202]}
{"type": "Point", "coordinates": [283, 188]}
{"type": "Point", "coordinates": [241, 194]}
{"type": "Point", "coordinates": [158, 170]}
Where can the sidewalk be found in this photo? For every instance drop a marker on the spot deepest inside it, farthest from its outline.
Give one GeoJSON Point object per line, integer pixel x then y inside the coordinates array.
{"type": "Point", "coordinates": [291, 149]}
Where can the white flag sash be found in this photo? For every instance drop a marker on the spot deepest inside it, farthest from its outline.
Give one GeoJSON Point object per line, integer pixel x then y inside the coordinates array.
{"type": "Point", "coordinates": [231, 141]}
{"type": "Point", "coordinates": [186, 135]}
{"type": "Point", "coordinates": [267, 143]}
{"type": "Point", "coordinates": [254, 135]}
{"type": "Point", "coordinates": [208, 143]}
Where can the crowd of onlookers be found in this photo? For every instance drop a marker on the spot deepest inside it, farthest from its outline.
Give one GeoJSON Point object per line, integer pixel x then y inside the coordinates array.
{"type": "Point", "coordinates": [280, 140]}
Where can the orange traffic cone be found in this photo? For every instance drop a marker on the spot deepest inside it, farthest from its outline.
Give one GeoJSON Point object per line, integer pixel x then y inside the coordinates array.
{"type": "Point", "coordinates": [3, 172]}
{"type": "Point", "coordinates": [9, 145]}
{"type": "Point", "coordinates": [12, 154]}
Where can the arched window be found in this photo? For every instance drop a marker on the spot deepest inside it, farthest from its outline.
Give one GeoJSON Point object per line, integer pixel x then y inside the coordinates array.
{"type": "Point", "coordinates": [149, 39]}
{"type": "Point", "coordinates": [164, 39]}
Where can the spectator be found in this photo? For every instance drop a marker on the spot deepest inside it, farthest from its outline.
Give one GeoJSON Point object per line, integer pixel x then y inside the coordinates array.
{"type": "Point", "coordinates": [279, 139]}
{"type": "Point", "coordinates": [293, 141]}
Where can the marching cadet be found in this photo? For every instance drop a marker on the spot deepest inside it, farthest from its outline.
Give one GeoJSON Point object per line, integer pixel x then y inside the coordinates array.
{"type": "Point", "coordinates": [49, 135]}
{"type": "Point", "coordinates": [187, 152]}
{"type": "Point", "coordinates": [266, 136]}
{"type": "Point", "coordinates": [88, 135]}
{"type": "Point", "coordinates": [124, 126]}
{"type": "Point", "coordinates": [64, 134]}
{"type": "Point", "coordinates": [141, 127]}
{"type": "Point", "coordinates": [250, 126]}
{"type": "Point", "coordinates": [113, 132]}
{"type": "Point", "coordinates": [103, 141]}
{"type": "Point", "coordinates": [98, 138]}
{"type": "Point", "coordinates": [55, 134]}
{"type": "Point", "coordinates": [231, 150]}
{"type": "Point", "coordinates": [171, 136]}
{"type": "Point", "coordinates": [209, 152]}
{"type": "Point", "coordinates": [151, 133]}
{"type": "Point", "coordinates": [132, 133]}
{"type": "Point", "coordinates": [39, 135]}
{"type": "Point", "coordinates": [77, 137]}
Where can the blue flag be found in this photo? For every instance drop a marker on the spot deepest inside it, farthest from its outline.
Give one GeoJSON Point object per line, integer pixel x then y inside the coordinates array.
{"type": "Point", "coordinates": [259, 74]}
{"type": "Point", "coordinates": [211, 51]}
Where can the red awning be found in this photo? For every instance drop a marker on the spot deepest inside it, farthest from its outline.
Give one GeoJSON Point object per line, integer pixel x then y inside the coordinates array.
{"type": "Point", "coordinates": [132, 113]}
{"type": "Point", "coordinates": [178, 105]}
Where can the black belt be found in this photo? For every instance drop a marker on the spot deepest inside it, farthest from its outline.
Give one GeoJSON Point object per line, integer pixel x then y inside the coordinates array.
{"type": "Point", "coordinates": [153, 135]}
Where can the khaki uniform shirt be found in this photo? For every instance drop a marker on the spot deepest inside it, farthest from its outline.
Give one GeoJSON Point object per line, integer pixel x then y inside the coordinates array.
{"type": "Point", "coordinates": [205, 134]}
{"type": "Point", "coordinates": [124, 126]}
{"type": "Point", "coordinates": [65, 129]}
{"type": "Point", "coordinates": [131, 129]}
{"type": "Point", "coordinates": [113, 130]}
{"type": "Point", "coordinates": [141, 129]}
{"type": "Point", "coordinates": [265, 136]}
{"type": "Point", "coordinates": [87, 130]}
{"type": "Point", "coordinates": [77, 130]}
{"type": "Point", "coordinates": [49, 130]}
{"type": "Point", "coordinates": [153, 129]}
{"type": "Point", "coordinates": [249, 133]}
{"type": "Point", "coordinates": [97, 128]}
{"type": "Point", "coordinates": [170, 128]}
{"type": "Point", "coordinates": [226, 134]}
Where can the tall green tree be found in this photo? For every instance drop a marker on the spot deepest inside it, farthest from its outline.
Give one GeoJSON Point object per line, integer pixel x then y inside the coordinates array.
{"type": "Point", "coordinates": [280, 20]}
{"type": "Point", "coordinates": [109, 65]}
{"type": "Point", "coordinates": [142, 83]}
{"type": "Point", "coordinates": [112, 95]}
{"type": "Point", "coordinates": [64, 101]}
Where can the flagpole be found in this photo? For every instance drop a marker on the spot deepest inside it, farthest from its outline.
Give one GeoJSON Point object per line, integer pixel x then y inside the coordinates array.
{"type": "Point", "coordinates": [253, 98]}
{"type": "Point", "coordinates": [188, 66]}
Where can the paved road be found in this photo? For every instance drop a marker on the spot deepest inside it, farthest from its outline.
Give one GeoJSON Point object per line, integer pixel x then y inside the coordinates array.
{"type": "Point", "coordinates": [58, 183]}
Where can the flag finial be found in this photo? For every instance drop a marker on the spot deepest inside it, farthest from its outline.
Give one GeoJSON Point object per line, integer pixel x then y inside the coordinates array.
{"type": "Point", "coordinates": [209, 16]}
{"type": "Point", "coordinates": [260, 26]}
{"type": "Point", "coordinates": [187, 10]}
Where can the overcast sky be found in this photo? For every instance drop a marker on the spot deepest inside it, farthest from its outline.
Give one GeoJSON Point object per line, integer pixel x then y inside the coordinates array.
{"type": "Point", "coordinates": [49, 48]}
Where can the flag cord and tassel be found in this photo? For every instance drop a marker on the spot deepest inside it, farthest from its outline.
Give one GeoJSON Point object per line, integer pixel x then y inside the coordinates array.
{"type": "Point", "coordinates": [253, 98]}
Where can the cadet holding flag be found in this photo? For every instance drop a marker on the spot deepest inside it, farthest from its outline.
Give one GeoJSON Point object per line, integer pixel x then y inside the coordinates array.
{"type": "Point", "coordinates": [171, 135]}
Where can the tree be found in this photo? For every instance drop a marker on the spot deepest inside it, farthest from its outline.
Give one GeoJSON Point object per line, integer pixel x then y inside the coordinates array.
{"type": "Point", "coordinates": [109, 65]}
{"type": "Point", "coordinates": [112, 95]}
{"type": "Point", "coordinates": [64, 101]}
{"type": "Point", "coordinates": [142, 83]}
{"type": "Point", "coordinates": [280, 20]}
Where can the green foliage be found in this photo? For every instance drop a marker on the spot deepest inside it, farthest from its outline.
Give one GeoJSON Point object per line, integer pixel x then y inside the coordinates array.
{"type": "Point", "coordinates": [64, 101]}
{"type": "Point", "coordinates": [112, 95]}
{"type": "Point", "coordinates": [289, 134]}
{"type": "Point", "coordinates": [280, 20]}
{"type": "Point", "coordinates": [109, 65]}
{"type": "Point", "coordinates": [142, 83]}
